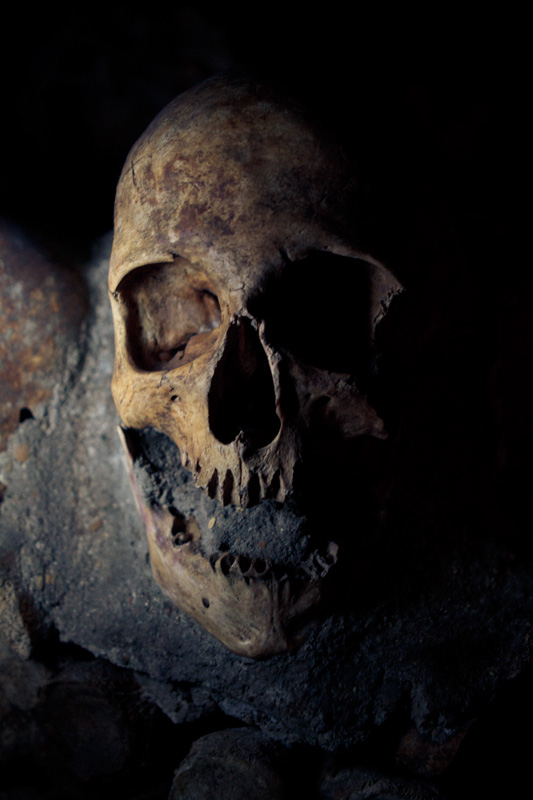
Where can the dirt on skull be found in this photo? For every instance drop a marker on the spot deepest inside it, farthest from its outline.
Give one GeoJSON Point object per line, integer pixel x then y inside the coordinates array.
{"type": "Point", "coordinates": [244, 316]}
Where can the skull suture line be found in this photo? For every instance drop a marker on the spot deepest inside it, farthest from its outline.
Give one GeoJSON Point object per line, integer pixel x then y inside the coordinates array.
{"type": "Point", "coordinates": [234, 249]}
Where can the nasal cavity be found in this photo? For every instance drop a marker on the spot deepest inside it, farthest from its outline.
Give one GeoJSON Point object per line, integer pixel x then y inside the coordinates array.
{"type": "Point", "coordinates": [241, 396]}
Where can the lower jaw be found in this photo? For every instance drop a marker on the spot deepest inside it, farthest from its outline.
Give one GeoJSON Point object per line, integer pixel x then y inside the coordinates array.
{"type": "Point", "coordinates": [255, 607]}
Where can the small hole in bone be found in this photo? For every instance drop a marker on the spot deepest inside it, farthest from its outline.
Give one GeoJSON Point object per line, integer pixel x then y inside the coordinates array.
{"type": "Point", "coordinates": [260, 566]}
{"type": "Point", "coordinates": [25, 414]}
{"type": "Point", "coordinates": [182, 538]}
{"type": "Point", "coordinates": [178, 523]}
{"type": "Point", "coordinates": [205, 602]}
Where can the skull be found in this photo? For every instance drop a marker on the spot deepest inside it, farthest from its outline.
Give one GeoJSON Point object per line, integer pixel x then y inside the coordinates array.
{"type": "Point", "coordinates": [244, 310]}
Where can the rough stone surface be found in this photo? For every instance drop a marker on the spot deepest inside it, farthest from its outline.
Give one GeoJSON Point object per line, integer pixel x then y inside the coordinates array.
{"type": "Point", "coordinates": [361, 784]}
{"type": "Point", "coordinates": [41, 307]}
{"type": "Point", "coordinates": [232, 765]}
{"type": "Point", "coordinates": [439, 620]}
{"type": "Point", "coordinates": [20, 685]}
{"type": "Point", "coordinates": [270, 530]}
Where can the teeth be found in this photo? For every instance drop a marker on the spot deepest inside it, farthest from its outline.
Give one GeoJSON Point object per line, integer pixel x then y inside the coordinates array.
{"type": "Point", "coordinates": [282, 491]}
{"type": "Point", "coordinates": [319, 564]}
{"type": "Point", "coordinates": [248, 491]}
{"type": "Point", "coordinates": [243, 566]}
{"type": "Point", "coordinates": [316, 566]}
{"type": "Point", "coordinates": [225, 563]}
{"type": "Point", "coordinates": [263, 485]}
{"type": "Point", "coordinates": [239, 566]}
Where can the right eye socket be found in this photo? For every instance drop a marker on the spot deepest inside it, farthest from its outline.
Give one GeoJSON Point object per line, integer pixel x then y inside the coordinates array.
{"type": "Point", "coordinates": [169, 309]}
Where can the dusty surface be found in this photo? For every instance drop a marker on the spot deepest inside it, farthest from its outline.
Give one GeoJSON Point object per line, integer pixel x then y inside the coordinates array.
{"type": "Point", "coordinates": [271, 530]}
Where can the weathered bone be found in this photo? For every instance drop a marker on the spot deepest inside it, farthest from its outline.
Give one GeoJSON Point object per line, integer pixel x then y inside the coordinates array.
{"type": "Point", "coordinates": [233, 219]}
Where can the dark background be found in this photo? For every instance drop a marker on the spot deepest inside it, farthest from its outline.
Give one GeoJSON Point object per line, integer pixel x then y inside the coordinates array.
{"type": "Point", "coordinates": [429, 99]}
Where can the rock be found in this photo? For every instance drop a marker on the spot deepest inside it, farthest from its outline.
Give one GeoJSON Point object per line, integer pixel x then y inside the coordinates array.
{"type": "Point", "coordinates": [236, 764]}
{"type": "Point", "coordinates": [42, 306]}
{"type": "Point", "coordinates": [354, 783]}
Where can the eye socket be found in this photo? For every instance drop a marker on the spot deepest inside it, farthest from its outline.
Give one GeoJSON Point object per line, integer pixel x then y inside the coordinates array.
{"type": "Point", "coordinates": [170, 310]}
{"type": "Point", "coordinates": [319, 309]}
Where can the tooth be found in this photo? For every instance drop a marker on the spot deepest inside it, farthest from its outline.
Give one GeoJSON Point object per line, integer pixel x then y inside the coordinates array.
{"type": "Point", "coordinates": [321, 562]}
{"type": "Point", "coordinates": [273, 489]}
{"type": "Point", "coordinates": [225, 563]}
{"type": "Point", "coordinates": [184, 458]}
{"type": "Point", "coordinates": [263, 485]}
{"type": "Point", "coordinates": [333, 551]}
{"type": "Point", "coordinates": [306, 571]}
{"type": "Point", "coordinates": [235, 568]}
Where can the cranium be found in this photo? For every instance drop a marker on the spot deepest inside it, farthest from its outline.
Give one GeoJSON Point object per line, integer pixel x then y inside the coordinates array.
{"type": "Point", "coordinates": [235, 252]}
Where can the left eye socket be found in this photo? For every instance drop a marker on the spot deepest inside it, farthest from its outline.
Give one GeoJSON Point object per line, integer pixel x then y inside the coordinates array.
{"type": "Point", "coordinates": [319, 310]}
{"type": "Point", "coordinates": [170, 309]}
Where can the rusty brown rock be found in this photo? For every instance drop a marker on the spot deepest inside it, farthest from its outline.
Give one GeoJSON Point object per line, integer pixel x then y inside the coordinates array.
{"type": "Point", "coordinates": [41, 307]}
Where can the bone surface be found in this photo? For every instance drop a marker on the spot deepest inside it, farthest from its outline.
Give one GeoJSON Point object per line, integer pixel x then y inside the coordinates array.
{"type": "Point", "coordinates": [245, 315]}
